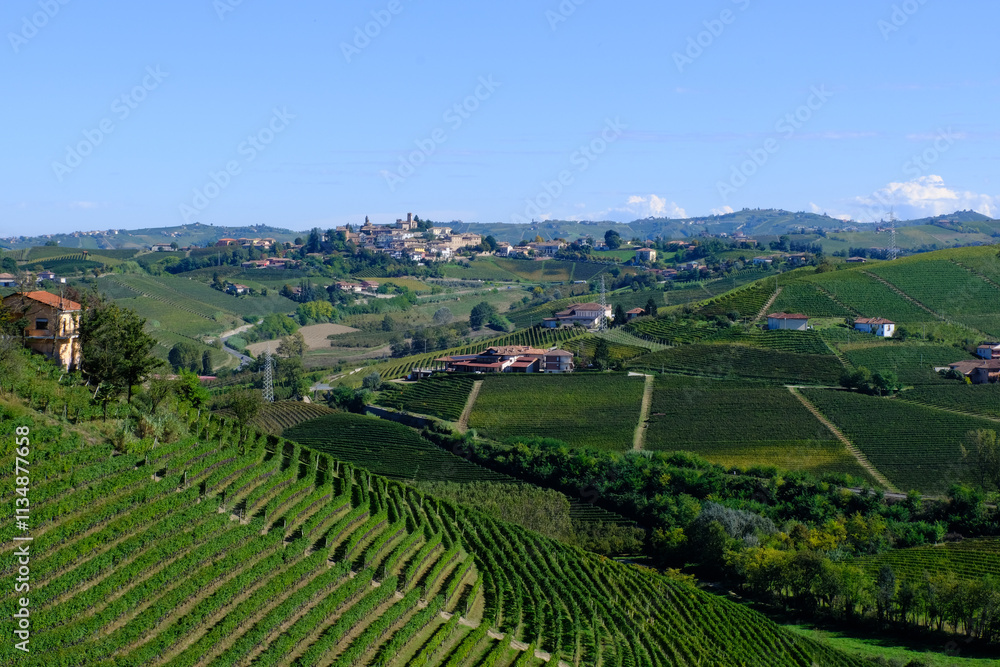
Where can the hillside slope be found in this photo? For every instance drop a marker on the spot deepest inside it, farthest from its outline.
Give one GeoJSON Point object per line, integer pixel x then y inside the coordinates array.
{"type": "Point", "coordinates": [206, 552]}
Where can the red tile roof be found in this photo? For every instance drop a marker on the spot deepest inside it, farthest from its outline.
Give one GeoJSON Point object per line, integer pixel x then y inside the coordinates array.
{"type": "Point", "coordinates": [872, 320]}
{"type": "Point", "coordinates": [51, 300]}
{"type": "Point", "coordinates": [787, 316]}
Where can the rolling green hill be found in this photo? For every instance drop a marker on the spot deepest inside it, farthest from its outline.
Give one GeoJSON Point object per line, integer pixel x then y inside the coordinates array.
{"type": "Point", "coordinates": [197, 551]}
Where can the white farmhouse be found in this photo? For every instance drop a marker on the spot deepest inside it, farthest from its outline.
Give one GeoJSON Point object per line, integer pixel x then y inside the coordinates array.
{"type": "Point", "coordinates": [879, 326]}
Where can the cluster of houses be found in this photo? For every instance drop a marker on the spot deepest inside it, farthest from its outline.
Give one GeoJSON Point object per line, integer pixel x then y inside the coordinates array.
{"type": "Point", "coordinates": [405, 239]}
{"type": "Point", "coordinates": [986, 369]}
{"type": "Point", "coordinates": [877, 326]}
{"type": "Point", "coordinates": [10, 280]}
{"type": "Point", "coordinates": [262, 244]}
{"type": "Point", "coordinates": [511, 359]}
{"type": "Point", "coordinates": [357, 288]}
{"type": "Point", "coordinates": [271, 263]}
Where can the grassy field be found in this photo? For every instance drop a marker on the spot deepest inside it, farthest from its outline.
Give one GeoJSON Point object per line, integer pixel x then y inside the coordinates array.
{"type": "Point", "coordinates": [916, 447]}
{"type": "Point", "coordinates": [316, 336]}
{"type": "Point", "coordinates": [743, 361]}
{"type": "Point", "coordinates": [744, 427]}
{"type": "Point", "coordinates": [599, 411]}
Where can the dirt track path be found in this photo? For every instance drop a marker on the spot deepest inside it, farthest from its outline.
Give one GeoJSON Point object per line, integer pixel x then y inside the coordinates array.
{"type": "Point", "coordinates": [855, 452]}
{"type": "Point", "coordinates": [463, 421]}
{"type": "Point", "coordinates": [639, 439]}
{"type": "Point", "coordinates": [767, 306]}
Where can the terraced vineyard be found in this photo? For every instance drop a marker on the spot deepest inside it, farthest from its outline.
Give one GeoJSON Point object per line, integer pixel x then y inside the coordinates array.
{"type": "Point", "coordinates": [868, 297]}
{"type": "Point", "coordinates": [744, 427]}
{"type": "Point", "coordinates": [799, 342]}
{"type": "Point", "coordinates": [807, 298]}
{"type": "Point", "coordinates": [280, 415]}
{"type": "Point", "coordinates": [916, 447]}
{"type": "Point", "coordinates": [968, 559]}
{"type": "Point", "coordinates": [599, 411]}
{"type": "Point", "coordinates": [745, 302]}
{"type": "Point", "coordinates": [201, 552]}
{"type": "Point", "coordinates": [947, 289]}
{"type": "Point", "coordinates": [440, 395]}
{"type": "Point", "coordinates": [913, 363]}
{"type": "Point", "coordinates": [982, 399]}
{"type": "Point", "coordinates": [387, 448]}
{"type": "Point", "coordinates": [743, 361]}
{"type": "Point", "coordinates": [586, 346]}
{"type": "Point", "coordinates": [667, 332]}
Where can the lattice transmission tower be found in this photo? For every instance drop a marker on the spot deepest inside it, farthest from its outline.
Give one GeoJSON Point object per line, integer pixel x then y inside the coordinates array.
{"type": "Point", "coordinates": [603, 325]}
{"type": "Point", "coordinates": [268, 376]}
{"type": "Point", "coordinates": [893, 249]}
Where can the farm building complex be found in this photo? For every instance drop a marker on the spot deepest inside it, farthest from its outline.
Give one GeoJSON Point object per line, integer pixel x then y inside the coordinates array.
{"type": "Point", "coordinates": [511, 359]}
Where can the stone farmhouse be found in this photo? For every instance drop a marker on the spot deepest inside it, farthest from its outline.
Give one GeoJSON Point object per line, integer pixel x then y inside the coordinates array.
{"type": "Point", "coordinates": [986, 371]}
{"type": "Point", "coordinates": [53, 325]}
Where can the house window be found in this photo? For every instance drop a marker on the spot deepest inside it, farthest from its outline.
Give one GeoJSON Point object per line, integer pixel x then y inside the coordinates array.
{"type": "Point", "coordinates": [41, 323]}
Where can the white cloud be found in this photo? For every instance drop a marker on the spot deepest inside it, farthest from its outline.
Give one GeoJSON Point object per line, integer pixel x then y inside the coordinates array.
{"type": "Point", "coordinates": [644, 206]}
{"type": "Point", "coordinates": [84, 204]}
{"type": "Point", "coordinates": [722, 211]}
{"type": "Point", "coordinates": [925, 196]}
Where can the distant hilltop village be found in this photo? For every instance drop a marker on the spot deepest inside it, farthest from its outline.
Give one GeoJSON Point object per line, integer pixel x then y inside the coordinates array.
{"type": "Point", "coordinates": [410, 239]}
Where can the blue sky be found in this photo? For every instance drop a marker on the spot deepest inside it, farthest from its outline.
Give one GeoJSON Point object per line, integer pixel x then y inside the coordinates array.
{"type": "Point", "coordinates": [127, 114]}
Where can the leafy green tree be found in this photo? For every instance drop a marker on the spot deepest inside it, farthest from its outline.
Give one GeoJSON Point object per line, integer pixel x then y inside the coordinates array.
{"type": "Point", "coordinates": [602, 354]}
{"type": "Point", "coordinates": [372, 381]}
{"type": "Point", "coordinates": [443, 316]}
{"type": "Point", "coordinates": [984, 451]}
{"type": "Point", "coordinates": [388, 324]}
{"type": "Point", "coordinates": [651, 307]}
{"type": "Point", "coordinates": [116, 348]}
{"type": "Point", "coordinates": [315, 241]}
{"type": "Point", "coordinates": [620, 316]}
{"type": "Point", "coordinates": [481, 314]}
{"type": "Point", "coordinates": [612, 239]}
{"type": "Point", "coordinates": [206, 363]}
{"type": "Point", "coordinates": [293, 345]}
{"type": "Point", "coordinates": [183, 355]}
{"type": "Point", "coordinates": [490, 243]}
{"type": "Point", "coordinates": [190, 389]}
{"type": "Point", "coordinates": [246, 404]}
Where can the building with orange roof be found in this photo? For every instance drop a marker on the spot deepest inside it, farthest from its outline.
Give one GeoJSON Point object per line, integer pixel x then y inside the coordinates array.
{"type": "Point", "coordinates": [53, 325]}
